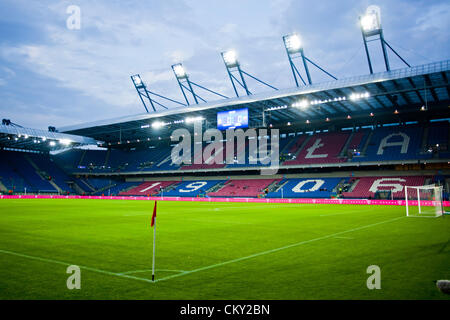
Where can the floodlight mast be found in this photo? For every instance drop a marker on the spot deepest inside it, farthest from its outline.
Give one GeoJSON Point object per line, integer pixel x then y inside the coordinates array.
{"type": "Point", "coordinates": [182, 77]}
{"type": "Point", "coordinates": [232, 65]}
{"type": "Point", "coordinates": [293, 46]}
{"type": "Point", "coordinates": [370, 24]}
{"type": "Point", "coordinates": [187, 85]}
{"type": "Point", "coordinates": [143, 92]}
{"type": "Point", "coordinates": [294, 49]}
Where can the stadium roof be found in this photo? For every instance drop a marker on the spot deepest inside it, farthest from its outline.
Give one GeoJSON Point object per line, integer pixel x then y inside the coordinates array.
{"type": "Point", "coordinates": [401, 91]}
{"type": "Point", "coordinates": [16, 137]}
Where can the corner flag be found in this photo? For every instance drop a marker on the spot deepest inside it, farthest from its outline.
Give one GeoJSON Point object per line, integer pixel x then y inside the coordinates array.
{"type": "Point", "coordinates": [154, 241]}
{"type": "Point", "coordinates": [153, 216]}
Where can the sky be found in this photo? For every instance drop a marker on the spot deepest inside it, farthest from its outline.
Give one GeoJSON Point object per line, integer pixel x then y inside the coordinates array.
{"type": "Point", "coordinates": [52, 75]}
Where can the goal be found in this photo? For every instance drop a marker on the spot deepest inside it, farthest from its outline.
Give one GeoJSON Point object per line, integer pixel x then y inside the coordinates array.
{"type": "Point", "coordinates": [425, 201]}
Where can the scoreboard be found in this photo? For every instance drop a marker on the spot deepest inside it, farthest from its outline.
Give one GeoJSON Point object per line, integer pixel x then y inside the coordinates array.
{"type": "Point", "coordinates": [232, 119]}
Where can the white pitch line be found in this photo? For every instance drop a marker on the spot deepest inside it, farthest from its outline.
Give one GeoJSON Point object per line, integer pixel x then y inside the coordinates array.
{"type": "Point", "coordinates": [149, 270]}
{"type": "Point", "coordinates": [276, 249]}
{"type": "Point", "coordinates": [68, 264]}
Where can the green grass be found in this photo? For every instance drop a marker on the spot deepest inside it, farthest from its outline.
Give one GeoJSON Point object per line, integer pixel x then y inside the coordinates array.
{"type": "Point", "coordinates": [334, 246]}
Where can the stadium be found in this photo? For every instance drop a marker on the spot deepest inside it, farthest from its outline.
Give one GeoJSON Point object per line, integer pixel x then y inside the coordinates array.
{"type": "Point", "coordinates": [294, 193]}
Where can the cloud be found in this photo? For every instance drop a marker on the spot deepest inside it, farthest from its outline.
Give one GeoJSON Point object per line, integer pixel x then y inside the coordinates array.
{"type": "Point", "coordinates": [98, 59]}
{"type": "Point", "coordinates": [92, 66]}
{"type": "Point", "coordinates": [435, 22]}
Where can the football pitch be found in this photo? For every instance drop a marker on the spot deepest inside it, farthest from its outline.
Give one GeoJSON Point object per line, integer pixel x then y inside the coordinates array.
{"type": "Point", "coordinates": [218, 250]}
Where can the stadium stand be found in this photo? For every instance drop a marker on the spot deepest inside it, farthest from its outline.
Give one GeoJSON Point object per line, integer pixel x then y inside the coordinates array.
{"type": "Point", "coordinates": [210, 162]}
{"type": "Point", "coordinates": [305, 188]}
{"type": "Point", "coordinates": [438, 140]}
{"type": "Point", "coordinates": [18, 173]}
{"type": "Point", "coordinates": [244, 188]}
{"type": "Point", "coordinates": [68, 160]}
{"type": "Point", "coordinates": [391, 143]}
{"type": "Point", "coordinates": [9, 178]}
{"type": "Point", "coordinates": [51, 171]}
{"type": "Point", "coordinates": [73, 171]}
{"type": "Point", "coordinates": [394, 143]}
{"type": "Point", "coordinates": [116, 189]}
{"type": "Point", "coordinates": [193, 188]}
{"type": "Point", "coordinates": [148, 188]}
{"type": "Point", "coordinates": [321, 148]}
{"type": "Point", "coordinates": [367, 187]}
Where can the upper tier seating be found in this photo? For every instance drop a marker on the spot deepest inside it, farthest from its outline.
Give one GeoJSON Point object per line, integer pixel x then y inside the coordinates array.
{"type": "Point", "coordinates": [68, 160]}
{"type": "Point", "coordinates": [394, 143]}
{"type": "Point", "coordinates": [243, 188]}
{"type": "Point", "coordinates": [306, 188]}
{"type": "Point", "coordinates": [141, 160]}
{"type": "Point", "coordinates": [20, 170]}
{"type": "Point", "coordinates": [93, 158]}
{"type": "Point", "coordinates": [438, 134]}
{"type": "Point", "coordinates": [298, 141]}
{"type": "Point", "coordinates": [356, 142]}
{"type": "Point", "coordinates": [366, 187]}
{"type": "Point", "coordinates": [210, 163]}
{"type": "Point", "coordinates": [321, 148]}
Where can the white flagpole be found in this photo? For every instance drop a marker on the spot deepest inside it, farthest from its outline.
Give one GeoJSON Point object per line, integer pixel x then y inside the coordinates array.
{"type": "Point", "coordinates": [154, 246]}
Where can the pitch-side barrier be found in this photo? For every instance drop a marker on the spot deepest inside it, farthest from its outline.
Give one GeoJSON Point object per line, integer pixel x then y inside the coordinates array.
{"type": "Point", "coordinates": [249, 200]}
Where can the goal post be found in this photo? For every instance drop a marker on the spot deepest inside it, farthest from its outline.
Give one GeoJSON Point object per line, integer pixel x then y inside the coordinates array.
{"type": "Point", "coordinates": [424, 201]}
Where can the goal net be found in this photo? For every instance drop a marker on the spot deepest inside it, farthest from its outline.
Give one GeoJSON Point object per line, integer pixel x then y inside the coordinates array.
{"type": "Point", "coordinates": [425, 201]}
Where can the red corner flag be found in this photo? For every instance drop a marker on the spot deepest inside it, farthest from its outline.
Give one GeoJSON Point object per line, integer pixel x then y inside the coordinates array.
{"type": "Point", "coordinates": [153, 216]}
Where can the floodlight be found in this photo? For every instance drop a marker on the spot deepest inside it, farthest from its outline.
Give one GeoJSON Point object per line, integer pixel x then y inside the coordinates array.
{"type": "Point", "coordinates": [193, 119]}
{"type": "Point", "coordinates": [52, 143]}
{"type": "Point", "coordinates": [230, 58]}
{"type": "Point", "coordinates": [371, 19]}
{"type": "Point", "coordinates": [65, 142]}
{"type": "Point", "coordinates": [179, 71]}
{"type": "Point", "coordinates": [293, 43]}
{"type": "Point", "coordinates": [157, 124]}
{"type": "Point", "coordinates": [137, 80]}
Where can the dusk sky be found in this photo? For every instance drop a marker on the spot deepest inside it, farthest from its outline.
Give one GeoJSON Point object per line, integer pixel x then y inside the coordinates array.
{"type": "Point", "coordinates": [51, 75]}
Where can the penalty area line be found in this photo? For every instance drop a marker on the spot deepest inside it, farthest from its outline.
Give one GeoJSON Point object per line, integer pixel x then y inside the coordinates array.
{"type": "Point", "coordinates": [277, 249]}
